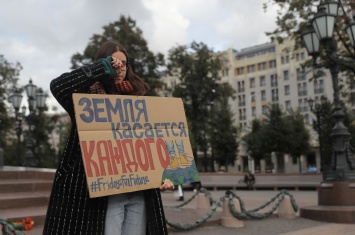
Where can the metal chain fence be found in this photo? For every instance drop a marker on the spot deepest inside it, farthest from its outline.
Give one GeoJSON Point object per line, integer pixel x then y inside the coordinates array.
{"type": "Point", "coordinates": [241, 215]}
{"type": "Point", "coordinates": [8, 229]}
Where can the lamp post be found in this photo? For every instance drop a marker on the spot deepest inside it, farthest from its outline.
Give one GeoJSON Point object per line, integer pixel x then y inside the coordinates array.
{"type": "Point", "coordinates": [335, 189]}
{"type": "Point", "coordinates": [36, 101]}
{"type": "Point", "coordinates": [16, 100]}
{"type": "Point", "coordinates": [212, 97]}
{"type": "Point", "coordinates": [317, 108]}
{"type": "Point", "coordinates": [341, 167]}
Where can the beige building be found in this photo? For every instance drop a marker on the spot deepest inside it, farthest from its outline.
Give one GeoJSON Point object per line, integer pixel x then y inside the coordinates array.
{"type": "Point", "coordinates": [272, 73]}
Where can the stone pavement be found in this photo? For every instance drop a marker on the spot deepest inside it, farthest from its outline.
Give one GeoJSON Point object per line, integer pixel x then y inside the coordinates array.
{"type": "Point", "coordinates": [252, 199]}
{"type": "Point", "coordinates": [24, 192]}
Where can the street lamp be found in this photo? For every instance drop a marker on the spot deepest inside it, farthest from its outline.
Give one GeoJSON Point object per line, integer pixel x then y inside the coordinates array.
{"type": "Point", "coordinates": [323, 23]}
{"type": "Point", "coordinates": [317, 108]}
{"type": "Point", "coordinates": [335, 189]}
{"type": "Point", "coordinates": [212, 98]}
{"type": "Point", "coordinates": [36, 101]}
{"type": "Point", "coordinates": [16, 100]}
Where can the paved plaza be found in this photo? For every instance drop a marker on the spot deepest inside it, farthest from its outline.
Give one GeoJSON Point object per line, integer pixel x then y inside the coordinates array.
{"type": "Point", "coordinates": [25, 192]}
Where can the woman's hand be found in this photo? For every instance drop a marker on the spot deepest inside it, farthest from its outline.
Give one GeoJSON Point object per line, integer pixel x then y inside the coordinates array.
{"type": "Point", "coordinates": [117, 64]}
{"type": "Point", "coordinates": [167, 185]}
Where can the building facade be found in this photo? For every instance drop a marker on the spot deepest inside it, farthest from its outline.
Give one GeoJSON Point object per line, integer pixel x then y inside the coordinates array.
{"type": "Point", "coordinates": [273, 73]}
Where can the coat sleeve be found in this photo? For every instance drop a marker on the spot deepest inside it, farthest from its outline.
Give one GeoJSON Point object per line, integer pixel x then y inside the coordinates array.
{"type": "Point", "coordinates": [76, 81]}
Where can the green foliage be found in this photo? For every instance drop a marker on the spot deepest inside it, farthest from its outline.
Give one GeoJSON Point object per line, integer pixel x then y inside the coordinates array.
{"type": "Point", "coordinates": [299, 136]}
{"type": "Point", "coordinates": [280, 133]}
{"type": "Point", "coordinates": [326, 124]}
{"type": "Point", "coordinates": [125, 31]}
{"type": "Point", "coordinates": [223, 133]}
{"type": "Point", "coordinates": [43, 126]}
{"type": "Point", "coordinates": [255, 142]}
{"type": "Point", "coordinates": [196, 66]}
{"type": "Point", "coordinates": [275, 130]}
{"type": "Point", "coordinates": [293, 17]}
{"type": "Point", "coordinates": [9, 75]}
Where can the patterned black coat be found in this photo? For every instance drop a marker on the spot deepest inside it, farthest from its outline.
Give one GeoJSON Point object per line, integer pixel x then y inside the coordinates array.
{"type": "Point", "coordinates": [70, 210]}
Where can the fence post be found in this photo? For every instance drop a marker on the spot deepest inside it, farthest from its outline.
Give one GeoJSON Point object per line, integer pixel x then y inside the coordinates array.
{"type": "Point", "coordinates": [228, 220]}
{"type": "Point", "coordinates": [203, 201]}
{"type": "Point", "coordinates": [285, 209]}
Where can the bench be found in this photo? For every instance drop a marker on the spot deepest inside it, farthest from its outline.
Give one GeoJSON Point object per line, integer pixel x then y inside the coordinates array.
{"type": "Point", "coordinates": [223, 181]}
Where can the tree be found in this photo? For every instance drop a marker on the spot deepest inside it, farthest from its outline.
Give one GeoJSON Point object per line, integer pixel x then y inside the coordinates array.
{"type": "Point", "coordinates": [9, 75]}
{"type": "Point", "coordinates": [293, 17]}
{"type": "Point", "coordinates": [125, 31]}
{"type": "Point", "coordinates": [254, 141]}
{"type": "Point", "coordinates": [278, 133]}
{"type": "Point", "coordinates": [223, 134]}
{"type": "Point", "coordinates": [298, 136]}
{"type": "Point", "coordinates": [196, 66]}
{"type": "Point", "coordinates": [326, 124]}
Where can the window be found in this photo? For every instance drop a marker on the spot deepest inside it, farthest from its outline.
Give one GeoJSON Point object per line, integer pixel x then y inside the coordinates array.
{"type": "Point", "coordinates": [305, 104]}
{"type": "Point", "coordinates": [241, 100]}
{"type": "Point", "coordinates": [272, 63]}
{"type": "Point", "coordinates": [300, 105]}
{"type": "Point", "coordinates": [316, 88]}
{"type": "Point", "coordinates": [304, 88]}
{"type": "Point", "coordinates": [251, 68]}
{"type": "Point", "coordinates": [273, 80]}
{"type": "Point", "coordinates": [300, 74]}
{"type": "Point", "coordinates": [242, 115]}
{"type": "Point", "coordinates": [253, 111]}
{"type": "Point", "coordinates": [263, 95]}
{"type": "Point", "coordinates": [240, 70]}
{"type": "Point", "coordinates": [288, 104]}
{"type": "Point", "coordinates": [321, 86]}
{"type": "Point", "coordinates": [297, 57]}
{"type": "Point", "coordinates": [252, 97]}
{"type": "Point", "coordinates": [262, 66]}
{"type": "Point", "coordinates": [285, 59]}
{"type": "Point", "coordinates": [306, 119]}
{"type": "Point", "coordinates": [299, 89]}
{"type": "Point", "coordinates": [286, 76]}
{"type": "Point", "coordinates": [224, 72]}
{"type": "Point", "coordinates": [287, 90]}
{"type": "Point", "coordinates": [252, 82]}
{"type": "Point", "coordinates": [302, 56]}
{"type": "Point", "coordinates": [275, 95]}
{"type": "Point", "coordinates": [262, 81]}
{"type": "Point", "coordinates": [241, 86]}
{"type": "Point", "coordinates": [264, 109]}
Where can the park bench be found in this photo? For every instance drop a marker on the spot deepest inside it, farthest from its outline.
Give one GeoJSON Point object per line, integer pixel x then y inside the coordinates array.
{"type": "Point", "coordinates": [223, 181]}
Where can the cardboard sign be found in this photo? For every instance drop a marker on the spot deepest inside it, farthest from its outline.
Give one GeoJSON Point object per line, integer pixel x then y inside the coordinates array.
{"type": "Point", "coordinates": [131, 143]}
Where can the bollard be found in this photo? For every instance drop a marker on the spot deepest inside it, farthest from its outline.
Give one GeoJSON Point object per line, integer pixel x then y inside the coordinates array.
{"type": "Point", "coordinates": [285, 209]}
{"type": "Point", "coordinates": [203, 202]}
{"type": "Point", "coordinates": [228, 220]}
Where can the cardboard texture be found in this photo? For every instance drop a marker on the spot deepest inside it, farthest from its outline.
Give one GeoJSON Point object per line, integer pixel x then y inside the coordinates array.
{"type": "Point", "coordinates": [131, 143]}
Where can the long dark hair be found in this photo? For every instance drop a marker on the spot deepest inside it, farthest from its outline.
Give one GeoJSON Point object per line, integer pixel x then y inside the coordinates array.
{"type": "Point", "coordinates": [107, 49]}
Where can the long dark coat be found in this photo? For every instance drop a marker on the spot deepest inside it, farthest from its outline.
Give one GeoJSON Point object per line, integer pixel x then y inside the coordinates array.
{"type": "Point", "coordinates": [70, 210]}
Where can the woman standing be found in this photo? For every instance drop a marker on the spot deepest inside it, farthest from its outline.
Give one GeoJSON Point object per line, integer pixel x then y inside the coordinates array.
{"type": "Point", "coordinates": [71, 211]}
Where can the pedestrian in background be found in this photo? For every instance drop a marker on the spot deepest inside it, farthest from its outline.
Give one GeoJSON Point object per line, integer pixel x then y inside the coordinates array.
{"type": "Point", "coordinates": [249, 180]}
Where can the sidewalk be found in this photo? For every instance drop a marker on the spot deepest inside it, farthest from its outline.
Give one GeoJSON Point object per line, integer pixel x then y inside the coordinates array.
{"type": "Point", "coordinates": [252, 199]}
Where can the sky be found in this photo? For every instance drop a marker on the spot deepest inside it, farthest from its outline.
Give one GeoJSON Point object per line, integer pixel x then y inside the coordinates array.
{"type": "Point", "coordinates": [42, 35]}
